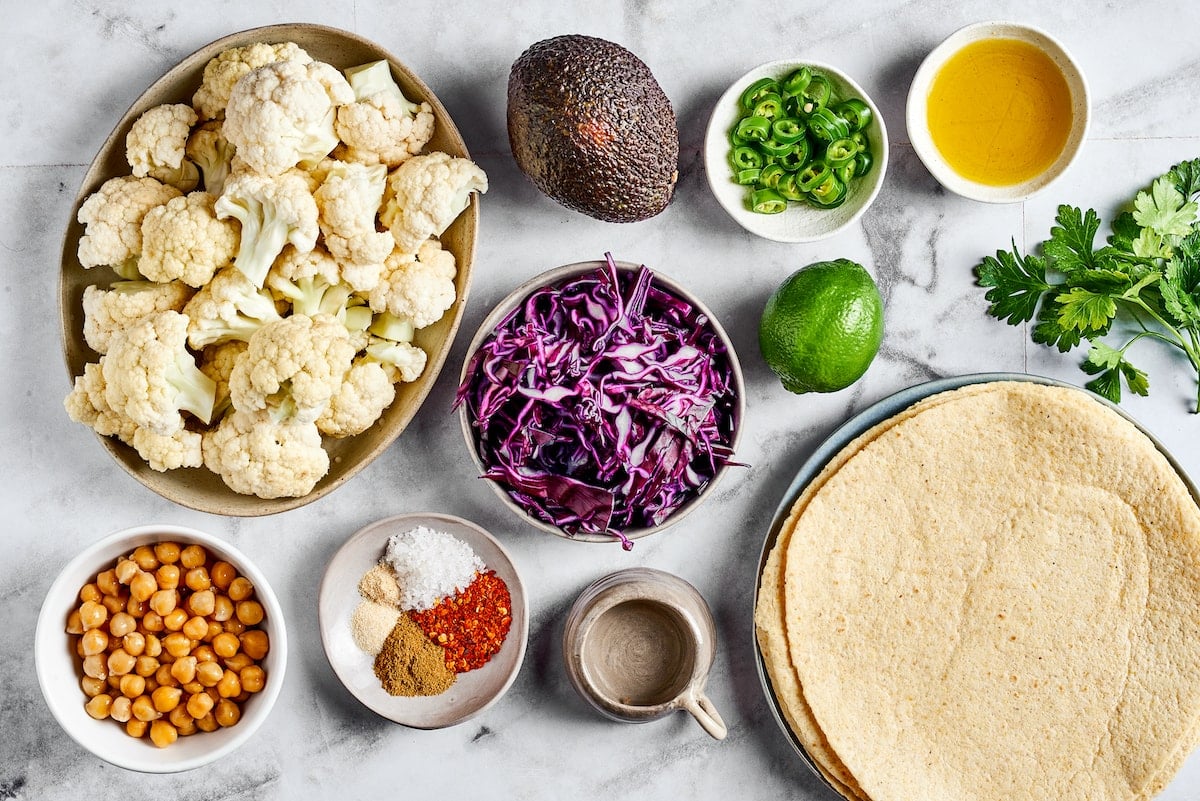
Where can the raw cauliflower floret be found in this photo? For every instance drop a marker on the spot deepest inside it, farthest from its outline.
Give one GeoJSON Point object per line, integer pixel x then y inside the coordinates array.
{"type": "Point", "coordinates": [211, 152]}
{"type": "Point", "coordinates": [273, 211]}
{"type": "Point", "coordinates": [183, 240]}
{"type": "Point", "coordinates": [425, 194]}
{"type": "Point", "coordinates": [360, 400]}
{"type": "Point", "coordinates": [170, 452]}
{"type": "Point", "coordinates": [151, 378]}
{"type": "Point", "coordinates": [282, 115]}
{"type": "Point", "coordinates": [382, 125]}
{"type": "Point", "coordinates": [255, 455]}
{"type": "Point", "coordinates": [217, 362]}
{"type": "Point", "coordinates": [112, 216]}
{"type": "Point", "coordinates": [229, 66]}
{"type": "Point", "coordinates": [403, 361]}
{"type": "Point", "coordinates": [106, 311]}
{"type": "Point", "coordinates": [156, 144]}
{"type": "Point", "coordinates": [310, 282]}
{"type": "Point", "coordinates": [420, 287]}
{"type": "Point", "coordinates": [228, 307]}
{"type": "Point", "coordinates": [348, 201]}
{"type": "Point", "coordinates": [292, 368]}
{"type": "Point", "coordinates": [87, 404]}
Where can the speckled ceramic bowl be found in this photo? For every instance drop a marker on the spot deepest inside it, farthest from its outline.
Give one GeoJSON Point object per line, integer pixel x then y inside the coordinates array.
{"type": "Point", "coordinates": [59, 672]}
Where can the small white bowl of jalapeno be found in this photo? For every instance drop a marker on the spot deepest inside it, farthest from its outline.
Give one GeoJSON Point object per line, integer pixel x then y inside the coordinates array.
{"type": "Point", "coordinates": [795, 151]}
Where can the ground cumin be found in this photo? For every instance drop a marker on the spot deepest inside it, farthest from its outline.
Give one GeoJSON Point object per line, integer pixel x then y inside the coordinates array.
{"type": "Point", "coordinates": [409, 664]}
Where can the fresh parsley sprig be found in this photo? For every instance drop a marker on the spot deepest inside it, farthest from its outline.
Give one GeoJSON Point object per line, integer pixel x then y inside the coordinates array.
{"type": "Point", "coordinates": [1148, 273]}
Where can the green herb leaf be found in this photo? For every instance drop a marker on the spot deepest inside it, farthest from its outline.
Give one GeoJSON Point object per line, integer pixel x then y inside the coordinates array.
{"type": "Point", "coordinates": [1112, 366]}
{"type": "Point", "coordinates": [1186, 177]}
{"type": "Point", "coordinates": [1107, 385]}
{"type": "Point", "coordinates": [1016, 284]}
{"type": "Point", "coordinates": [1124, 230]}
{"type": "Point", "coordinates": [1086, 311]}
{"type": "Point", "coordinates": [1151, 244]}
{"type": "Point", "coordinates": [1049, 330]}
{"type": "Point", "coordinates": [1164, 209]}
{"type": "Point", "coordinates": [1072, 241]}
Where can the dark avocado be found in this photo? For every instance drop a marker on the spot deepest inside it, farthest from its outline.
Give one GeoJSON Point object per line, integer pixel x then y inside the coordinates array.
{"type": "Point", "coordinates": [591, 127]}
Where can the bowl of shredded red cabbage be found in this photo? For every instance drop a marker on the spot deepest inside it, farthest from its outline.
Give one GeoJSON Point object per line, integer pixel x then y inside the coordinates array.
{"type": "Point", "coordinates": [602, 401]}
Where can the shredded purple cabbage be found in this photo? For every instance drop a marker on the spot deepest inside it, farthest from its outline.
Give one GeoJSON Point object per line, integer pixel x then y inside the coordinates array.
{"type": "Point", "coordinates": [603, 403]}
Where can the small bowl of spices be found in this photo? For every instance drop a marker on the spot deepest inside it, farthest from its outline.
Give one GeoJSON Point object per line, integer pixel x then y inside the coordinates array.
{"type": "Point", "coordinates": [424, 619]}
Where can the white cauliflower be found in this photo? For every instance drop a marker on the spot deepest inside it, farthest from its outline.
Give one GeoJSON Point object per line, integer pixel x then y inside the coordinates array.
{"type": "Point", "coordinates": [155, 146]}
{"type": "Point", "coordinates": [87, 404]}
{"type": "Point", "coordinates": [419, 287]}
{"type": "Point", "coordinates": [425, 194]}
{"type": "Point", "coordinates": [217, 362]}
{"type": "Point", "coordinates": [382, 125]}
{"type": "Point", "coordinates": [106, 311]}
{"type": "Point", "coordinates": [255, 455]}
{"type": "Point", "coordinates": [112, 216]}
{"type": "Point", "coordinates": [183, 240]}
{"type": "Point", "coordinates": [151, 378]}
{"type": "Point", "coordinates": [169, 452]}
{"type": "Point", "coordinates": [273, 211]}
{"type": "Point", "coordinates": [403, 361]}
{"type": "Point", "coordinates": [292, 368]}
{"type": "Point", "coordinates": [211, 152]}
{"type": "Point", "coordinates": [348, 200]}
{"type": "Point", "coordinates": [310, 282]}
{"type": "Point", "coordinates": [228, 307]}
{"type": "Point", "coordinates": [360, 400]}
{"type": "Point", "coordinates": [229, 66]}
{"type": "Point", "coordinates": [282, 115]}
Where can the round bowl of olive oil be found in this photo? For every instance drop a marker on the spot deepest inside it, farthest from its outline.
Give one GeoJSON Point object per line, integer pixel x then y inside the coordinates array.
{"type": "Point", "coordinates": [998, 111]}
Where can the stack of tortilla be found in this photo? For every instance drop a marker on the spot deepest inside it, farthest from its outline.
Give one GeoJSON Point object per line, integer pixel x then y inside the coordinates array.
{"type": "Point", "coordinates": [994, 594]}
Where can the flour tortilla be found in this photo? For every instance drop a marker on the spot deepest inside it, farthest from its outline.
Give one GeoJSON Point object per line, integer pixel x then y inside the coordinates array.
{"type": "Point", "coordinates": [769, 614]}
{"type": "Point", "coordinates": [993, 599]}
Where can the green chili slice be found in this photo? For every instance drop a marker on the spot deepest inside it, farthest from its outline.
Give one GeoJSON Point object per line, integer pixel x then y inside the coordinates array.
{"type": "Point", "coordinates": [770, 175]}
{"type": "Point", "coordinates": [754, 129]}
{"type": "Point", "coordinates": [845, 173]}
{"type": "Point", "coordinates": [769, 105]}
{"type": "Point", "coordinates": [812, 175]}
{"type": "Point", "coordinates": [862, 163]}
{"type": "Point", "coordinates": [860, 138]}
{"type": "Point", "coordinates": [816, 95]}
{"type": "Point", "coordinates": [855, 112]}
{"type": "Point", "coordinates": [787, 130]}
{"type": "Point", "coordinates": [825, 126]}
{"type": "Point", "coordinates": [787, 187]}
{"type": "Point", "coordinates": [829, 193]}
{"type": "Point", "coordinates": [771, 147]}
{"type": "Point", "coordinates": [767, 201]}
{"type": "Point", "coordinates": [795, 84]}
{"type": "Point", "coordinates": [748, 177]}
{"type": "Point", "coordinates": [841, 152]}
{"type": "Point", "coordinates": [745, 158]}
{"type": "Point", "coordinates": [752, 93]}
{"type": "Point", "coordinates": [797, 157]}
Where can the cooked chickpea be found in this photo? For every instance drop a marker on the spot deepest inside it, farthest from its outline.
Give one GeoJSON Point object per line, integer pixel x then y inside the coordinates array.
{"type": "Point", "coordinates": [202, 602]}
{"type": "Point", "coordinates": [213, 630]}
{"type": "Point", "coordinates": [93, 641]}
{"type": "Point", "coordinates": [145, 666]}
{"type": "Point", "coordinates": [177, 644]}
{"type": "Point", "coordinates": [166, 698]}
{"type": "Point", "coordinates": [96, 666]}
{"type": "Point", "coordinates": [188, 728]}
{"type": "Point", "coordinates": [136, 728]}
{"type": "Point", "coordinates": [222, 608]}
{"type": "Point", "coordinates": [234, 626]}
{"type": "Point", "coordinates": [136, 608]}
{"type": "Point", "coordinates": [90, 593]}
{"type": "Point", "coordinates": [143, 709]}
{"type": "Point", "coordinates": [208, 674]}
{"type": "Point", "coordinates": [92, 614]}
{"type": "Point", "coordinates": [195, 628]}
{"type": "Point", "coordinates": [250, 612]}
{"type": "Point", "coordinates": [133, 685]}
{"type": "Point", "coordinates": [163, 733]}
{"type": "Point", "coordinates": [75, 622]}
{"type": "Point", "coordinates": [207, 723]}
{"type": "Point", "coordinates": [144, 557]}
{"type": "Point", "coordinates": [153, 645]}
{"type": "Point", "coordinates": [184, 669]}
{"type": "Point", "coordinates": [167, 552]}
{"type": "Point", "coordinates": [174, 620]}
{"type": "Point", "coordinates": [142, 586]}
{"type": "Point", "coordinates": [151, 684]}
{"type": "Point", "coordinates": [120, 662]}
{"type": "Point", "coordinates": [164, 602]}
{"type": "Point", "coordinates": [238, 661]}
{"type": "Point", "coordinates": [92, 686]}
{"type": "Point", "coordinates": [134, 643]}
{"type": "Point", "coordinates": [229, 685]}
{"type": "Point", "coordinates": [193, 556]}
{"type": "Point", "coordinates": [192, 687]}
{"type": "Point", "coordinates": [204, 653]}
{"type": "Point", "coordinates": [240, 589]}
{"type": "Point", "coordinates": [114, 683]}
{"type": "Point", "coordinates": [126, 570]}
{"type": "Point", "coordinates": [225, 644]}
{"type": "Point", "coordinates": [180, 718]}
{"type": "Point", "coordinates": [222, 573]}
{"type": "Point", "coordinates": [107, 582]}
{"type": "Point", "coordinates": [114, 603]}
{"type": "Point", "coordinates": [121, 624]}
{"type": "Point", "coordinates": [199, 705]}
{"type": "Point", "coordinates": [253, 678]}
{"type": "Point", "coordinates": [122, 710]}
{"type": "Point", "coordinates": [197, 579]}
{"type": "Point", "coordinates": [167, 576]}
{"type": "Point", "coordinates": [256, 644]}
{"type": "Point", "coordinates": [227, 713]}
{"type": "Point", "coordinates": [99, 706]}
{"type": "Point", "coordinates": [163, 677]}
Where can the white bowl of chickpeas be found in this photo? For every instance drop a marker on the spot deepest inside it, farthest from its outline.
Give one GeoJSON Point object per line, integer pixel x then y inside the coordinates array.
{"type": "Point", "coordinates": [160, 648]}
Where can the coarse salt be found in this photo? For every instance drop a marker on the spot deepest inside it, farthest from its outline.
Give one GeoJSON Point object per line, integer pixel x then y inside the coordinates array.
{"type": "Point", "coordinates": [430, 565]}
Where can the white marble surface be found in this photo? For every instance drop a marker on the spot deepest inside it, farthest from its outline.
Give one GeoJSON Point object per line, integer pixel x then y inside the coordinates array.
{"type": "Point", "coordinates": [69, 69]}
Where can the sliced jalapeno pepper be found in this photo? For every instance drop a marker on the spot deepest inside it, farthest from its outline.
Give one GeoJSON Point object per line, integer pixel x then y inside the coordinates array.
{"type": "Point", "coordinates": [816, 95]}
{"type": "Point", "coordinates": [770, 175]}
{"type": "Point", "coordinates": [771, 147]}
{"type": "Point", "coordinates": [812, 175]}
{"type": "Point", "coordinates": [752, 93]}
{"type": "Point", "coordinates": [862, 163]}
{"type": "Point", "coordinates": [767, 201]}
{"type": "Point", "coordinates": [829, 193]}
{"type": "Point", "coordinates": [787, 187]}
{"type": "Point", "coordinates": [745, 158]}
{"type": "Point", "coordinates": [769, 105]}
{"type": "Point", "coordinates": [797, 157]}
{"type": "Point", "coordinates": [860, 138]}
{"type": "Point", "coordinates": [787, 130]}
{"type": "Point", "coordinates": [748, 177]}
{"type": "Point", "coordinates": [753, 129]}
{"type": "Point", "coordinates": [845, 173]}
{"type": "Point", "coordinates": [795, 84]}
{"type": "Point", "coordinates": [825, 126]}
{"type": "Point", "coordinates": [855, 112]}
{"type": "Point", "coordinates": [840, 152]}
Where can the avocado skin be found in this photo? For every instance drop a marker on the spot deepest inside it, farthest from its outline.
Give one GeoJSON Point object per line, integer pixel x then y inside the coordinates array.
{"type": "Point", "coordinates": [591, 127]}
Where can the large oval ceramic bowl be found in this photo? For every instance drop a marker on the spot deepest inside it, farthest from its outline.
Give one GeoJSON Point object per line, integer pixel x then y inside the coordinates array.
{"type": "Point", "coordinates": [560, 275]}
{"type": "Point", "coordinates": [59, 672]}
{"type": "Point", "coordinates": [198, 488]}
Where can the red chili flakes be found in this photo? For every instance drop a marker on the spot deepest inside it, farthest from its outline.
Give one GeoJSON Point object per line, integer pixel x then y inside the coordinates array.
{"type": "Point", "coordinates": [472, 624]}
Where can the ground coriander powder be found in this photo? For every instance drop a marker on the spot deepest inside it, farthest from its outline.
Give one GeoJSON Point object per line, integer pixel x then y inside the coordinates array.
{"type": "Point", "coordinates": [409, 664]}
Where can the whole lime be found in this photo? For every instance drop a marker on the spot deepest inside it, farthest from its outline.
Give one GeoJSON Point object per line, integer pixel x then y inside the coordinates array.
{"type": "Point", "coordinates": [822, 327]}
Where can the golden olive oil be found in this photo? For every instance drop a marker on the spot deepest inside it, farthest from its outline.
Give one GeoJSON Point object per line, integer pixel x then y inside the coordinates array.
{"type": "Point", "coordinates": [999, 112]}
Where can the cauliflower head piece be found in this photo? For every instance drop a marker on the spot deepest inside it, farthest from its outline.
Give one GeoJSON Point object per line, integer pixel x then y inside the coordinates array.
{"type": "Point", "coordinates": [418, 287]}
{"type": "Point", "coordinates": [183, 240]}
{"type": "Point", "coordinates": [124, 303]}
{"type": "Point", "coordinates": [348, 201]}
{"type": "Point", "coordinates": [382, 126]}
{"type": "Point", "coordinates": [112, 218]}
{"type": "Point", "coordinates": [230, 66]}
{"type": "Point", "coordinates": [310, 282]}
{"type": "Point", "coordinates": [283, 114]}
{"type": "Point", "coordinates": [255, 455]}
{"type": "Point", "coordinates": [425, 194]}
{"type": "Point", "coordinates": [359, 402]}
{"type": "Point", "coordinates": [293, 367]}
{"type": "Point", "coordinates": [211, 152]}
{"type": "Point", "coordinates": [228, 307]}
{"type": "Point", "coordinates": [151, 378]}
{"type": "Point", "coordinates": [217, 362]}
{"type": "Point", "coordinates": [156, 146]}
{"type": "Point", "coordinates": [273, 211]}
